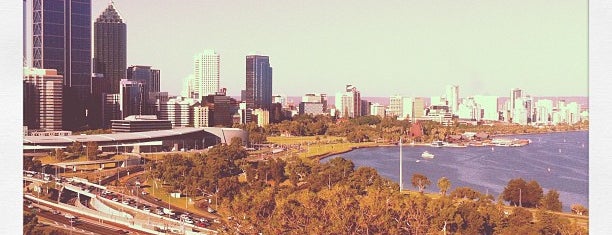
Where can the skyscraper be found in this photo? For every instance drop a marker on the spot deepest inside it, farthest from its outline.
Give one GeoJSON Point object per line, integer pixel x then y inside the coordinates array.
{"type": "Point", "coordinates": [61, 32]}
{"type": "Point", "coordinates": [110, 43]}
{"type": "Point", "coordinates": [515, 94]}
{"type": "Point", "coordinates": [150, 79]}
{"type": "Point", "coordinates": [42, 104]}
{"type": "Point", "coordinates": [452, 96]}
{"type": "Point", "coordinates": [258, 82]}
{"type": "Point", "coordinates": [132, 97]}
{"type": "Point", "coordinates": [206, 74]}
{"type": "Point", "coordinates": [348, 103]}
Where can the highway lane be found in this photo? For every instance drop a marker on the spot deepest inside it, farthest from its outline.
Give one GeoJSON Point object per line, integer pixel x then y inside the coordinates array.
{"type": "Point", "coordinates": [83, 222]}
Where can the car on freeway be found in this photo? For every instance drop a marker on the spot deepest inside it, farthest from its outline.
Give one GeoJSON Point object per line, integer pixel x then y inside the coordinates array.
{"type": "Point", "coordinates": [201, 224]}
{"type": "Point", "coordinates": [115, 199]}
{"type": "Point", "coordinates": [69, 216]}
{"type": "Point", "coordinates": [125, 202]}
{"type": "Point", "coordinates": [55, 212]}
{"type": "Point", "coordinates": [188, 220]}
{"type": "Point", "coordinates": [204, 220]}
{"type": "Point", "coordinates": [146, 209]}
{"type": "Point", "coordinates": [144, 193]}
{"type": "Point", "coordinates": [211, 210]}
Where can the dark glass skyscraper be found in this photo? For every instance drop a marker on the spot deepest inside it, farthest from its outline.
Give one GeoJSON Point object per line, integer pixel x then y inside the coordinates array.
{"type": "Point", "coordinates": [110, 48]}
{"type": "Point", "coordinates": [150, 79]}
{"type": "Point", "coordinates": [62, 41]}
{"type": "Point", "coordinates": [258, 82]}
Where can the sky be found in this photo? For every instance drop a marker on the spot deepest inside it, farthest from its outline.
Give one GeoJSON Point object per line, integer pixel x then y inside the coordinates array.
{"type": "Point", "coordinates": [405, 47]}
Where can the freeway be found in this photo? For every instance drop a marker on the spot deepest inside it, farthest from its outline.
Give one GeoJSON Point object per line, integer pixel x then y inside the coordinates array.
{"type": "Point", "coordinates": [82, 223]}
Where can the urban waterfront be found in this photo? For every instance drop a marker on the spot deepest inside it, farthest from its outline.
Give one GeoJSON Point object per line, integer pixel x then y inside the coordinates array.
{"type": "Point", "coordinates": [488, 169]}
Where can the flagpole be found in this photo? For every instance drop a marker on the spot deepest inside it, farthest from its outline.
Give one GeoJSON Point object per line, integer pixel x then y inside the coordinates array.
{"type": "Point", "coordinates": [400, 166]}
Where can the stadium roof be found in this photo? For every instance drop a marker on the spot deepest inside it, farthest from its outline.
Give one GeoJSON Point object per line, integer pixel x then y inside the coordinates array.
{"type": "Point", "coordinates": [131, 136]}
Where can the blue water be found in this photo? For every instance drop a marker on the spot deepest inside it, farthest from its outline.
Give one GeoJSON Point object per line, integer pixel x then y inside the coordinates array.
{"type": "Point", "coordinates": [484, 168]}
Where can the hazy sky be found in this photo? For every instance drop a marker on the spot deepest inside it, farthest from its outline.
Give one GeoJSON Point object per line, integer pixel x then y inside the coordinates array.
{"type": "Point", "coordinates": [412, 48]}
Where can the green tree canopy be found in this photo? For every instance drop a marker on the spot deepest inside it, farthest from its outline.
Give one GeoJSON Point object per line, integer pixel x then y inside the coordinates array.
{"type": "Point", "coordinates": [550, 201]}
{"type": "Point", "coordinates": [420, 181]}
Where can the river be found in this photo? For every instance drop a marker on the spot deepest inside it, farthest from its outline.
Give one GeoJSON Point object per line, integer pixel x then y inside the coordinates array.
{"type": "Point", "coordinates": [488, 169]}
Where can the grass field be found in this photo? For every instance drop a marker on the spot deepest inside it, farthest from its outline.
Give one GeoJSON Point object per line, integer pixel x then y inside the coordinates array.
{"type": "Point", "coordinates": [161, 192]}
{"type": "Point", "coordinates": [316, 146]}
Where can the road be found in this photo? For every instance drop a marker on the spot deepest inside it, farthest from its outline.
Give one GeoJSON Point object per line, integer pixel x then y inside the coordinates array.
{"type": "Point", "coordinates": [83, 224]}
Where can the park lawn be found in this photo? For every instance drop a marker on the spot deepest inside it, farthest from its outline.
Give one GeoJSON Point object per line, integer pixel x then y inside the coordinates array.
{"type": "Point", "coordinates": [162, 193]}
{"type": "Point", "coordinates": [302, 139]}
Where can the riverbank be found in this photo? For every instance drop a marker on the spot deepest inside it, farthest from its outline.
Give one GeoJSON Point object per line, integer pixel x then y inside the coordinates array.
{"type": "Point", "coordinates": [326, 155]}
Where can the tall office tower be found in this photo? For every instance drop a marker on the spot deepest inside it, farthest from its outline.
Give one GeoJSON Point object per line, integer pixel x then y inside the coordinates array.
{"type": "Point", "coordinates": [544, 112]}
{"type": "Point", "coordinates": [206, 74]}
{"type": "Point", "coordinates": [258, 82]}
{"type": "Point", "coordinates": [219, 107]}
{"type": "Point", "coordinates": [111, 109]}
{"type": "Point", "coordinates": [515, 94]}
{"type": "Point", "coordinates": [132, 97]}
{"type": "Point", "coordinates": [452, 96]}
{"type": "Point", "coordinates": [488, 105]}
{"type": "Point", "coordinates": [188, 90]}
{"type": "Point", "coordinates": [61, 40]}
{"type": "Point", "coordinates": [150, 80]}
{"type": "Point", "coordinates": [528, 104]}
{"type": "Point", "coordinates": [42, 99]}
{"type": "Point", "coordinates": [395, 106]}
{"type": "Point", "coordinates": [110, 53]}
{"type": "Point", "coordinates": [348, 103]}
{"type": "Point", "coordinates": [99, 86]}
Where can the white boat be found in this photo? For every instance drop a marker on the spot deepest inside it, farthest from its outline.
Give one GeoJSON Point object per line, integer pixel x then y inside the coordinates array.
{"type": "Point", "coordinates": [418, 160]}
{"type": "Point", "coordinates": [427, 155]}
{"type": "Point", "coordinates": [437, 144]}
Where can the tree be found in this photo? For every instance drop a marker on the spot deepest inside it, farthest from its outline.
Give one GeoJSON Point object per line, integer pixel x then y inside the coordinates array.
{"type": "Point", "coordinates": [29, 164]}
{"type": "Point", "coordinates": [420, 181]}
{"type": "Point", "coordinates": [513, 191]}
{"type": "Point", "coordinates": [579, 209]}
{"type": "Point", "coordinates": [444, 184]}
{"type": "Point", "coordinates": [520, 193]}
{"type": "Point", "coordinates": [92, 150]}
{"type": "Point", "coordinates": [76, 148]}
{"type": "Point", "coordinates": [550, 201]}
{"type": "Point", "coordinates": [59, 154]}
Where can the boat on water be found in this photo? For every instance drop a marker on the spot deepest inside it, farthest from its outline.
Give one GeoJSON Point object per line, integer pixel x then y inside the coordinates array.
{"type": "Point", "coordinates": [418, 160]}
{"type": "Point", "coordinates": [437, 144]}
{"type": "Point", "coordinates": [427, 155]}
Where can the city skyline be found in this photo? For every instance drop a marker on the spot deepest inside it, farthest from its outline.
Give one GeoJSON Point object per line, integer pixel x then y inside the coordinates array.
{"type": "Point", "coordinates": [531, 45]}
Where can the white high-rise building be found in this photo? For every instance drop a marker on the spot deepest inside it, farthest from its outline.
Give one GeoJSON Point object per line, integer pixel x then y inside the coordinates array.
{"type": "Point", "coordinates": [452, 97]}
{"type": "Point", "coordinates": [377, 110]}
{"type": "Point", "coordinates": [469, 109]}
{"type": "Point", "coordinates": [519, 113]}
{"type": "Point", "coordinates": [348, 103]}
{"type": "Point", "coordinates": [489, 106]}
{"type": "Point", "coordinates": [413, 108]}
{"type": "Point", "coordinates": [206, 73]}
{"type": "Point", "coordinates": [395, 106]}
{"type": "Point", "coordinates": [188, 89]}
{"type": "Point", "coordinates": [544, 112]}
